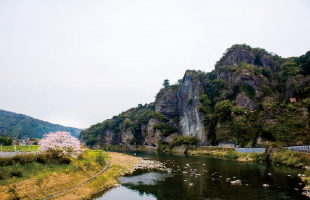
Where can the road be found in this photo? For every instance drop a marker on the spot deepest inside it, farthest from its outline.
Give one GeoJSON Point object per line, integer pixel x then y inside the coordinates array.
{"type": "Point", "coordinates": [11, 154]}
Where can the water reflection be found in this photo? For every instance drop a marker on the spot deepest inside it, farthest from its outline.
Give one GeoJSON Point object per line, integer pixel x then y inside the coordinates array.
{"type": "Point", "coordinates": [209, 178]}
{"type": "Point", "coordinates": [122, 192]}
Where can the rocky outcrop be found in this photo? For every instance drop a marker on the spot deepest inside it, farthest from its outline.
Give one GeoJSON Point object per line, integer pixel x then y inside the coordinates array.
{"type": "Point", "coordinates": [152, 136]}
{"type": "Point", "coordinates": [242, 100]}
{"type": "Point", "coordinates": [238, 56]}
{"type": "Point", "coordinates": [289, 88]}
{"type": "Point", "coordinates": [180, 149]}
{"type": "Point", "coordinates": [266, 61]}
{"type": "Point", "coordinates": [188, 102]}
{"type": "Point", "coordinates": [126, 136]}
{"type": "Point", "coordinates": [227, 76]}
{"type": "Point", "coordinates": [111, 138]}
{"type": "Point", "coordinates": [167, 103]}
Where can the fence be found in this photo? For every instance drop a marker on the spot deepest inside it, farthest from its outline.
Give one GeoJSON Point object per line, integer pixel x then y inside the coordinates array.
{"type": "Point", "coordinates": [304, 149]}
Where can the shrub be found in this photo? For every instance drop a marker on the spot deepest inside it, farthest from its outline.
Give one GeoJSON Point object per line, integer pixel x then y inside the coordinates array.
{"type": "Point", "coordinates": [16, 172]}
{"type": "Point", "coordinates": [6, 161]}
{"type": "Point", "coordinates": [165, 129]}
{"type": "Point", "coordinates": [190, 101]}
{"type": "Point", "coordinates": [2, 174]}
{"type": "Point", "coordinates": [65, 160]}
{"type": "Point", "coordinates": [223, 109]}
{"type": "Point", "coordinates": [25, 158]}
{"type": "Point", "coordinates": [44, 158]}
{"type": "Point", "coordinates": [100, 160]}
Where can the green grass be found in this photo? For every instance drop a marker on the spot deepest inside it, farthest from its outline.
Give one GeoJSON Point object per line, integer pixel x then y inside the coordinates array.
{"type": "Point", "coordinates": [20, 148]}
{"type": "Point", "coordinates": [36, 169]}
{"type": "Point", "coordinates": [33, 170]}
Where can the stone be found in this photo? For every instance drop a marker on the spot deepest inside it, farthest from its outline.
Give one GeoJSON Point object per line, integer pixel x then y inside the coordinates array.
{"type": "Point", "coordinates": [236, 182]}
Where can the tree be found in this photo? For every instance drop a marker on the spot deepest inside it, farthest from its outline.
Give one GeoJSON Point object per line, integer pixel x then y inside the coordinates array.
{"type": "Point", "coordinates": [62, 143]}
{"type": "Point", "coordinates": [166, 83]}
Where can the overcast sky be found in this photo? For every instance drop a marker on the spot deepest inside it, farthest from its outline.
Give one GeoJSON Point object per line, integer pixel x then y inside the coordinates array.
{"type": "Point", "coordinates": [79, 62]}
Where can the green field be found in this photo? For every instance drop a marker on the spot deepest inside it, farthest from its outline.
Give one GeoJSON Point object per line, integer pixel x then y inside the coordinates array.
{"type": "Point", "coordinates": [20, 148]}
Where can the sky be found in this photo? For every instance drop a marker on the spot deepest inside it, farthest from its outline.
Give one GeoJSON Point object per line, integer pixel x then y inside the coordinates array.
{"type": "Point", "coordinates": [80, 62]}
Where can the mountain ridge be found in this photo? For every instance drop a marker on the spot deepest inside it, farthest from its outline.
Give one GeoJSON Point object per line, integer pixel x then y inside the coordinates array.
{"type": "Point", "coordinates": [12, 123]}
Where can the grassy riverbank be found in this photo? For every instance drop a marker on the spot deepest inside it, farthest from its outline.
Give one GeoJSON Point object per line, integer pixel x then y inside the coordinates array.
{"type": "Point", "coordinates": [228, 153]}
{"type": "Point", "coordinates": [35, 180]}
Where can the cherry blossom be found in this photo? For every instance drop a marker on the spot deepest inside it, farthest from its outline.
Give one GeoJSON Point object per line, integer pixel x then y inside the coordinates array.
{"type": "Point", "coordinates": [61, 142]}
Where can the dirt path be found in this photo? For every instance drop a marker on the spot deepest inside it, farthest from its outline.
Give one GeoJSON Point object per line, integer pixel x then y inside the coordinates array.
{"type": "Point", "coordinates": [55, 195]}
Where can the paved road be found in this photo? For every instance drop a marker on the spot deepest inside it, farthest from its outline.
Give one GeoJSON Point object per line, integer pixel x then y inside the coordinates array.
{"type": "Point", "coordinates": [11, 154]}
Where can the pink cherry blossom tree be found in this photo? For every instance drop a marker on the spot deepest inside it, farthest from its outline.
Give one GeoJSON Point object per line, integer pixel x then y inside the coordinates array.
{"type": "Point", "coordinates": [61, 142]}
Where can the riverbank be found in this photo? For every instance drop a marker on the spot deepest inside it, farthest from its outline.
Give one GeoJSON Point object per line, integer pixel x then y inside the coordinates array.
{"type": "Point", "coordinates": [38, 181]}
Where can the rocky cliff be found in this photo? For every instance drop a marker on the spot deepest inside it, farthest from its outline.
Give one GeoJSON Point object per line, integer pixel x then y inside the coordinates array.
{"type": "Point", "coordinates": [252, 95]}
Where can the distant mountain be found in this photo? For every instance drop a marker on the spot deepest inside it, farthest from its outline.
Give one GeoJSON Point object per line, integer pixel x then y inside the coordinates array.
{"type": "Point", "coordinates": [12, 124]}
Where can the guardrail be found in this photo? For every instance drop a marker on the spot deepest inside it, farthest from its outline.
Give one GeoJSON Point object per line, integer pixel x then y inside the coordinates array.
{"type": "Point", "coordinates": [250, 150]}
{"type": "Point", "coordinates": [304, 149]}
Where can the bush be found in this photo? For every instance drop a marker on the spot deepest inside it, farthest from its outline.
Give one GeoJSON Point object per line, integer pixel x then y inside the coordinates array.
{"type": "Point", "coordinates": [6, 161]}
{"type": "Point", "coordinates": [2, 174]}
{"type": "Point", "coordinates": [185, 140]}
{"type": "Point", "coordinates": [16, 172]}
{"type": "Point", "coordinates": [65, 160]}
{"type": "Point", "coordinates": [25, 158]}
{"type": "Point", "coordinates": [100, 160]}
{"type": "Point", "coordinates": [44, 158]}
{"type": "Point", "coordinates": [165, 129]}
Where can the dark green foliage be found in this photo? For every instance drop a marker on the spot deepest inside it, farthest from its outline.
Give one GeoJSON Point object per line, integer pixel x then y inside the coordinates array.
{"type": "Point", "coordinates": [223, 109]}
{"type": "Point", "coordinates": [205, 104]}
{"type": "Point", "coordinates": [2, 174]}
{"type": "Point", "coordinates": [134, 141]}
{"type": "Point", "coordinates": [257, 60]}
{"type": "Point", "coordinates": [16, 172]}
{"type": "Point", "coordinates": [176, 119]}
{"type": "Point", "coordinates": [266, 90]}
{"type": "Point", "coordinates": [166, 83]}
{"type": "Point", "coordinates": [25, 158]}
{"type": "Point", "coordinates": [238, 110]}
{"type": "Point", "coordinates": [165, 129]}
{"type": "Point", "coordinates": [100, 160]}
{"type": "Point", "coordinates": [290, 68]}
{"type": "Point", "coordinates": [17, 124]}
{"type": "Point", "coordinates": [185, 140]}
{"type": "Point", "coordinates": [267, 72]}
{"type": "Point", "coordinates": [190, 101]}
{"type": "Point", "coordinates": [6, 140]}
{"type": "Point", "coordinates": [65, 160]}
{"type": "Point", "coordinates": [248, 90]}
{"type": "Point", "coordinates": [6, 161]}
{"type": "Point", "coordinates": [43, 158]}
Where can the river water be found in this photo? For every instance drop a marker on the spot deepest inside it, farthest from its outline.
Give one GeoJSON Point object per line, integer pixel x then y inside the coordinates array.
{"type": "Point", "coordinates": [211, 184]}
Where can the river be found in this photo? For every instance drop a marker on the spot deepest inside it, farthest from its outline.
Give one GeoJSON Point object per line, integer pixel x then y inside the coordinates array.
{"type": "Point", "coordinates": [211, 184]}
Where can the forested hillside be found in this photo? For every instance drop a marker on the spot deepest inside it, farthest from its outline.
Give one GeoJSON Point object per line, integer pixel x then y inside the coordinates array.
{"type": "Point", "coordinates": [13, 124]}
{"type": "Point", "coordinates": [251, 97]}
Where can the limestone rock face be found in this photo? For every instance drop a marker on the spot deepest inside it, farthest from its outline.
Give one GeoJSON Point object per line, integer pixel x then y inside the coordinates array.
{"type": "Point", "coordinates": [289, 88]}
{"type": "Point", "coordinates": [188, 102]}
{"type": "Point", "coordinates": [167, 103]}
{"type": "Point", "coordinates": [111, 138]}
{"type": "Point", "coordinates": [227, 76]}
{"type": "Point", "coordinates": [126, 135]}
{"type": "Point", "coordinates": [247, 78]}
{"type": "Point", "coordinates": [243, 101]}
{"type": "Point", "coordinates": [266, 61]}
{"type": "Point", "coordinates": [152, 136]}
{"type": "Point", "coordinates": [238, 56]}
